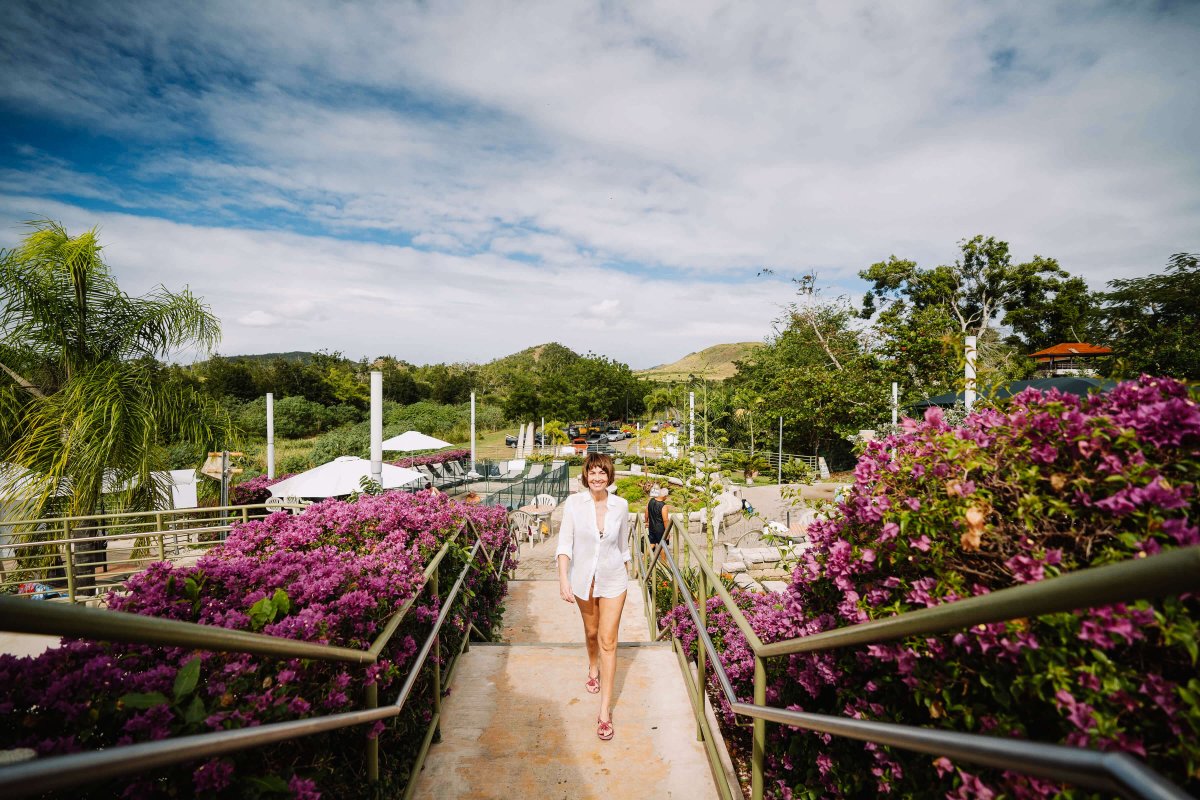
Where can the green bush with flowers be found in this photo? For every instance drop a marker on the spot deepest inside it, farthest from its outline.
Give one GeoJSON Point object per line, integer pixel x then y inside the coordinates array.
{"type": "Point", "coordinates": [1047, 485]}
{"type": "Point", "coordinates": [334, 574]}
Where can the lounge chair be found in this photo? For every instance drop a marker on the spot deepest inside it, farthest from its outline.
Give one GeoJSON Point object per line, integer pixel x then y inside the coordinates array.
{"type": "Point", "coordinates": [535, 470]}
{"type": "Point", "coordinates": [516, 468]}
{"type": "Point", "coordinates": [448, 480]}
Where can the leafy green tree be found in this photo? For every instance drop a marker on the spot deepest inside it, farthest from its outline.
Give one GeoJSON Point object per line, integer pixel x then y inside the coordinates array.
{"type": "Point", "coordinates": [97, 404]}
{"type": "Point", "coordinates": [973, 291]}
{"type": "Point", "coordinates": [1047, 308]}
{"type": "Point", "coordinates": [230, 377]}
{"type": "Point", "coordinates": [1153, 323]}
{"type": "Point", "coordinates": [819, 374]}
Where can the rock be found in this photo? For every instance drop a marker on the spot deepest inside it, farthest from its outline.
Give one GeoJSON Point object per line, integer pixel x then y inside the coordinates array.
{"type": "Point", "coordinates": [744, 581]}
{"type": "Point", "coordinates": [775, 586]}
{"type": "Point", "coordinates": [733, 566]}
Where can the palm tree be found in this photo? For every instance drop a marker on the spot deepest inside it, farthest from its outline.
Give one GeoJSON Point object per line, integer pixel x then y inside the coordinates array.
{"type": "Point", "coordinates": [88, 411]}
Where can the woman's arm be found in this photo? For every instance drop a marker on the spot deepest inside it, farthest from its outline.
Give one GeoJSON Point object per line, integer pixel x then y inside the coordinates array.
{"type": "Point", "coordinates": [564, 553]}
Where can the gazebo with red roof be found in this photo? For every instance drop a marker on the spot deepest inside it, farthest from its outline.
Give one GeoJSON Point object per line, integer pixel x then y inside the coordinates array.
{"type": "Point", "coordinates": [1069, 358]}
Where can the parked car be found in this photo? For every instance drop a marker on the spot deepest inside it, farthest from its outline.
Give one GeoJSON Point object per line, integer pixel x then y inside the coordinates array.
{"type": "Point", "coordinates": [596, 437]}
{"type": "Point", "coordinates": [615, 434]}
{"type": "Point", "coordinates": [510, 440]}
{"type": "Point", "coordinates": [654, 428]}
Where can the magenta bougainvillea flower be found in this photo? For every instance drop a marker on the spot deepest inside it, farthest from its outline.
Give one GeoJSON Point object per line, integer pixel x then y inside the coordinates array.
{"type": "Point", "coordinates": [1047, 484]}
{"type": "Point", "coordinates": [334, 574]}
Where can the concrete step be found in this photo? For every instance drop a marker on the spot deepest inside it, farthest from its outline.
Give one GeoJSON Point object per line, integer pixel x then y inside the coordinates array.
{"type": "Point", "coordinates": [518, 721]}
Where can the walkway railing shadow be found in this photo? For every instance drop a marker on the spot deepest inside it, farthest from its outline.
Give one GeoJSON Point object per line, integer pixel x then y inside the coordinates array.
{"type": "Point", "coordinates": [1162, 575]}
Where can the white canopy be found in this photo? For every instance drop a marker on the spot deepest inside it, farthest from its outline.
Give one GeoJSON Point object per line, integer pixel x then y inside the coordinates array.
{"type": "Point", "coordinates": [411, 441]}
{"type": "Point", "coordinates": [342, 476]}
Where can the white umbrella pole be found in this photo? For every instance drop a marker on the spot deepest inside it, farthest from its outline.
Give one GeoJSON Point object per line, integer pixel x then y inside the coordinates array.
{"type": "Point", "coordinates": [472, 431]}
{"type": "Point", "coordinates": [270, 436]}
{"type": "Point", "coordinates": [377, 426]}
{"type": "Point", "coordinates": [895, 403]}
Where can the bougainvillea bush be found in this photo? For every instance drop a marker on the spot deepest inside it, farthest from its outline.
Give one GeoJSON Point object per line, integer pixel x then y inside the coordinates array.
{"type": "Point", "coordinates": [333, 574]}
{"type": "Point", "coordinates": [1046, 485]}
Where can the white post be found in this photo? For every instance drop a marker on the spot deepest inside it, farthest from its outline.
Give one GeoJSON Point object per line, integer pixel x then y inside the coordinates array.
{"type": "Point", "coordinates": [271, 435]}
{"type": "Point", "coordinates": [473, 472]}
{"type": "Point", "coordinates": [543, 430]}
{"type": "Point", "coordinates": [638, 440]}
{"type": "Point", "coordinates": [377, 426]}
{"type": "Point", "coordinates": [781, 451]}
{"type": "Point", "coordinates": [895, 403]}
{"type": "Point", "coordinates": [692, 420]}
{"type": "Point", "coordinates": [970, 393]}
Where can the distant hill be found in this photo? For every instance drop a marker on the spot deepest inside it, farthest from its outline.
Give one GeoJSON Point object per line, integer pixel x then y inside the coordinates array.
{"type": "Point", "coordinates": [714, 362]}
{"type": "Point", "coordinates": [498, 374]}
{"type": "Point", "coordinates": [302, 356]}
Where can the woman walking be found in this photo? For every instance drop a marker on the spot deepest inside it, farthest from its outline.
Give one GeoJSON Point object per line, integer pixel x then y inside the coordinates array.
{"type": "Point", "coordinates": [593, 573]}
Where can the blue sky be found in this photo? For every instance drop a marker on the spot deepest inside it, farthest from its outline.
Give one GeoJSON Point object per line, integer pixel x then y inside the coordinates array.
{"type": "Point", "coordinates": [457, 181]}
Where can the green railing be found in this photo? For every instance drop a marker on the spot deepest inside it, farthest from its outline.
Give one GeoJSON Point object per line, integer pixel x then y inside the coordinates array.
{"type": "Point", "coordinates": [60, 772]}
{"type": "Point", "coordinates": [555, 482]}
{"type": "Point", "coordinates": [76, 556]}
{"type": "Point", "coordinates": [1162, 575]}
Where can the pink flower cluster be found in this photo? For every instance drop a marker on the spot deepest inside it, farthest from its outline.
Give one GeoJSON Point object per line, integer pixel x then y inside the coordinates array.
{"type": "Point", "coordinates": [1048, 484]}
{"type": "Point", "coordinates": [334, 575]}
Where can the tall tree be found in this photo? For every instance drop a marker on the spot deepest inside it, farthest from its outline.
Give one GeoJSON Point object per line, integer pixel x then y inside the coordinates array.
{"type": "Point", "coordinates": [973, 291]}
{"type": "Point", "coordinates": [1153, 323]}
{"type": "Point", "coordinates": [94, 412]}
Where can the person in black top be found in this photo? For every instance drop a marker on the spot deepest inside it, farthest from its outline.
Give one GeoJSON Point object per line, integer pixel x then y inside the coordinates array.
{"type": "Point", "coordinates": [656, 516]}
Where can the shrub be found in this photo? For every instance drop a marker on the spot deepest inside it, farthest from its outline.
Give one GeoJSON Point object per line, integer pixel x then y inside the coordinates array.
{"type": "Point", "coordinates": [254, 491]}
{"type": "Point", "coordinates": [1050, 485]}
{"type": "Point", "coordinates": [333, 574]}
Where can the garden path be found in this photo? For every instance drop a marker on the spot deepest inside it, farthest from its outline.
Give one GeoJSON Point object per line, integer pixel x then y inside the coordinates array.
{"type": "Point", "coordinates": [519, 723]}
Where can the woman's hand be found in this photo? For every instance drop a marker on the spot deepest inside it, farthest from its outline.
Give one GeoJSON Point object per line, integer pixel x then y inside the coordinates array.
{"type": "Point", "coordinates": [564, 590]}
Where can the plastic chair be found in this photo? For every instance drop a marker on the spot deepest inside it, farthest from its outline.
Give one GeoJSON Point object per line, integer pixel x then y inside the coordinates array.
{"type": "Point", "coordinates": [522, 525]}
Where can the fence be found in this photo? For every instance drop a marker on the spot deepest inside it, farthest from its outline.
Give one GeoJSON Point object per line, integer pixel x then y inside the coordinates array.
{"type": "Point", "coordinates": [73, 557]}
{"type": "Point", "coordinates": [62, 772]}
{"type": "Point", "coordinates": [555, 482]}
{"type": "Point", "coordinates": [1162, 575]}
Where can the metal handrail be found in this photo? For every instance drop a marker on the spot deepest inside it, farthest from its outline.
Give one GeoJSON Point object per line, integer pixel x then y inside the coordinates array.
{"type": "Point", "coordinates": [65, 771]}
{"type": "Point", "coordinates": [1165, 574]}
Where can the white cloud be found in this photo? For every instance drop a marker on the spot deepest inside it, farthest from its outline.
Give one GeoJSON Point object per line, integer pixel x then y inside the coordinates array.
{"type": "Point", "coordinates": [526, 148]}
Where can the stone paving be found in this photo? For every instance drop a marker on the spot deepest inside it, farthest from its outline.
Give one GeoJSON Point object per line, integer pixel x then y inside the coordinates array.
{"type": "Point", "coordinates": [519, 723]}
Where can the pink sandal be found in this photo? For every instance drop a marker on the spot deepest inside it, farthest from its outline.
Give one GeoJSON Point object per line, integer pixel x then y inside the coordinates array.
{"type": "Point", "coordinates": [604, 729]}
{"type": "Point", "coordinates": [593, 684]}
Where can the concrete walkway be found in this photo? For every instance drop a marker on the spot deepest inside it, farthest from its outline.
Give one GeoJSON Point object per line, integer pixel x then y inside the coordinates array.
{"type": "Point", "coordinates": [518, 722]}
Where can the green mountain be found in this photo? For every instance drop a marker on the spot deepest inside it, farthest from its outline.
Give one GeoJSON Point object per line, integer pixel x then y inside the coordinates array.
{"type": "Point", "coordinates": [714, 362]}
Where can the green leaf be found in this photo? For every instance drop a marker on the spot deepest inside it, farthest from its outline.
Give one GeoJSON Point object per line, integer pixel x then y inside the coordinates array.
{"type": "Point", "coordinates": [186, 678]}
{"type": "Point", "coordinates": [261, 613]}
{"type": "Point", "coordinates": [283, 604]}
{"type": "Point", "coordinates": [268, 783]}
{"type": "Point", "coordinates": [195, 711]}
{"type": "Point", "coordinates": [143, 699]}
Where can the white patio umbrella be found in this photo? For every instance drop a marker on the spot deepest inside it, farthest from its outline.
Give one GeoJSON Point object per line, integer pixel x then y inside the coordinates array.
{"type": "Point", "coordinates": [340, 477]}
{"type": "Point", "coordinates": [412, 441]}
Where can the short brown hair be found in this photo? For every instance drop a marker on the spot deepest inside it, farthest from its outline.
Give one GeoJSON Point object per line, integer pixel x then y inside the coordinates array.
{"type": "Point", "coordinates": [599, 461]}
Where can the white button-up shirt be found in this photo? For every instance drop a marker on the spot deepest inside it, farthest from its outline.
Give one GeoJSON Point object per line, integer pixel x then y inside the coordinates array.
{"type": "Point", "coordinates": [592, 556]}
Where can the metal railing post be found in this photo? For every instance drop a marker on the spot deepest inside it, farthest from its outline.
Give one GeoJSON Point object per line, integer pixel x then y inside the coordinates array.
{"type": "Point", "coordinates": [372, 702]}
{"type": "Point", "coordinates": [437, 650]}
{"type": "Point", "coordinates": [162, 547]}
{"type": "Point", "coordinates": [759, 752]}
{"type": "Point", "coordinates": [700, 654]}
{"type": "Point", "coordinates": [70, 569]}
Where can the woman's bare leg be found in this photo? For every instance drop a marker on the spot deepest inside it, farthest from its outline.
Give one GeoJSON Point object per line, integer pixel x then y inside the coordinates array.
{"type": "Point", "coordinates": [609, 613]}
{"type": "Point", "coordinates": [591, 626]}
